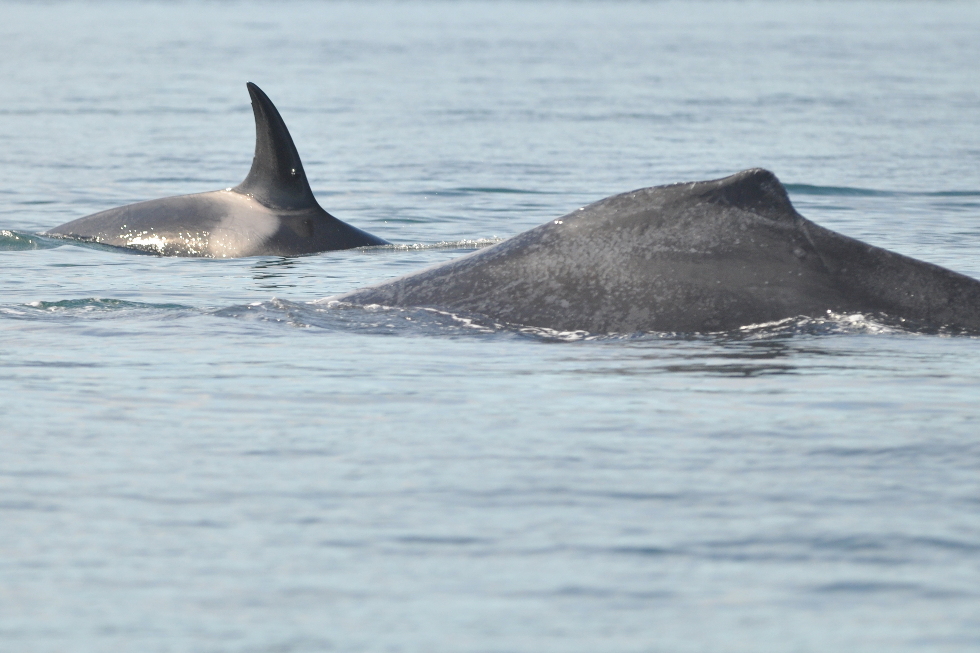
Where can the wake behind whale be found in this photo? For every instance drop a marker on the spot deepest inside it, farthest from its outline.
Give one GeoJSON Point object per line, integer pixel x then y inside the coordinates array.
{"type": "Point", "coordinates": [694, 257]}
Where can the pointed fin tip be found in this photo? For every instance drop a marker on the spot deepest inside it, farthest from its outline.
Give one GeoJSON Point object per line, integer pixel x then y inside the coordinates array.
{"type": "Point", "coordinates": [256, 94]}
{"type": "Point", "coordinates": [254, 90]}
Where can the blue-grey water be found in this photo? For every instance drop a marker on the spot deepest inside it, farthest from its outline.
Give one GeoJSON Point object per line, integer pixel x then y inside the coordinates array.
{"type": "Point", "coordinates": [197, 457]}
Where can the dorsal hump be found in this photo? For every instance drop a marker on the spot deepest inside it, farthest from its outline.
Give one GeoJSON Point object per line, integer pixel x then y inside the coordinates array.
{"type": "Point", "coordinates": [756, 191]}
{"type": "Point", "coordinates": [277, 178]}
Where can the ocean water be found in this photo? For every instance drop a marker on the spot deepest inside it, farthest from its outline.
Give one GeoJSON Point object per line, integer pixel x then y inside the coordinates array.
{"type": "Point", "coordinates": [195, 456]}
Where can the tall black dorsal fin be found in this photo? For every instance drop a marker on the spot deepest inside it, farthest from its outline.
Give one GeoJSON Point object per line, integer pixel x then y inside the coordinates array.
{"type": "Point", "coordinates": [755, 190]}
{"type": "Point", "coordinates": [277, 178]}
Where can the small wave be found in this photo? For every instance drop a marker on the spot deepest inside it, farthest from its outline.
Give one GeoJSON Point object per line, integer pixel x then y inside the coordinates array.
{"type": "Point", "coordinates": [99, 304]}
{"type": "Point", "coordinates": [375, 319]}
{"type": "Point", "coordinates": [476, 243]}
{"type": "Point", "coordinates": [848, 191]}
{"type": "Point", "coordinates": [831, 324]}
{"type": "Point", "coordinates": [838, 191]}
{"type": "Point", "coordinates": [847, 324]}
{"type": "Point", "coordinates": [15, 241]}
{"type": "Point", "coordinates": [471, 190]}
{"type": "Point", "coordinates": [863, 587]}
{"type": "Point", "coordinates": [508, 191]}
{"type": "Point", "coordinates": [87, 307]}
{"type": "Point", "coordinates": [392, 320]}
{"type": "Point", "coordinates": [556, 335]}
{"type": "Point", "coordinates": [273, 311]}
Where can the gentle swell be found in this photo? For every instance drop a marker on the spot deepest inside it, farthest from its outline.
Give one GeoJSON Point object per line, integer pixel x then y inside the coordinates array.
{"type": "Point", "coordinates": [846, 191]}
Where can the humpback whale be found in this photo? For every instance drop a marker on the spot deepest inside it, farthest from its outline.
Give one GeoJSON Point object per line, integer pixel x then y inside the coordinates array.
{"type": "Point", "coordinates": [272, 212]}
{"type": "Point", "coordinates": [697, 257]}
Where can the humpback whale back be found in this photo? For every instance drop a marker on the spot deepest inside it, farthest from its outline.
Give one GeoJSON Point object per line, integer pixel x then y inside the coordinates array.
{"type": "Point", "coordinates": [692, 257]}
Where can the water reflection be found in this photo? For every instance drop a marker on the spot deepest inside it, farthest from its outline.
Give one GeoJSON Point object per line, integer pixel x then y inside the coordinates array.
{"type": "Point", "coordinates": [728, 355]}
{"type": "Point", "coordinates": [276, 273]}
{"type": "Point", "coordinates": [741, 359]}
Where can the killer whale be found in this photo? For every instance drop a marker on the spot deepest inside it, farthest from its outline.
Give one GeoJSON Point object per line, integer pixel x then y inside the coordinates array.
{"type": "Point", "coordinates": [272, 212]}
{"type": "Point", "coordinates": [705, 256]}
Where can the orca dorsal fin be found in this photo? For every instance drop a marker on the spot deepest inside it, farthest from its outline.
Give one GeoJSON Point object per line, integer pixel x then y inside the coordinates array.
{"type": "Point", "coordinates": [277, 178]}
{"type": "Point", "coordinates": [755, 190]}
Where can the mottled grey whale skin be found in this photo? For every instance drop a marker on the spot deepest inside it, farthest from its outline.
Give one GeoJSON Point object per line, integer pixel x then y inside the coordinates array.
{"type": "Point", "coordinates": [706, 256]}
{"type": "Point", "coordinates": [272, 212]}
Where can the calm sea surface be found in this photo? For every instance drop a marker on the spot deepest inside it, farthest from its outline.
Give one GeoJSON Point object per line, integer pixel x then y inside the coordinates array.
{"type": "Point", "coordinates": [196, 457]}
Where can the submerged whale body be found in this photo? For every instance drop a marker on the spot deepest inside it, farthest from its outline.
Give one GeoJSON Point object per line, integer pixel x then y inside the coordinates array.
{"type": "Point", "coordinates": [272, 212]}
{"type": "Point", "coordinates": [695, 257]}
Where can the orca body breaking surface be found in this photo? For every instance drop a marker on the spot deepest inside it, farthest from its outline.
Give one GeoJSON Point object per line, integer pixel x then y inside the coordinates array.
{"type": "Point", "coordinates": [272, 212]}
{"type": "Point", "coordinates": [694, 257]}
